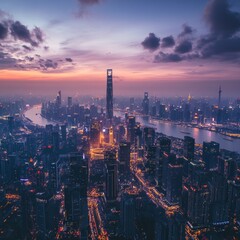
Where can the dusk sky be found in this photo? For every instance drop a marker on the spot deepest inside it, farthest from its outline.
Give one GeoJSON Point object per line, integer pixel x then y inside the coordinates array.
{"type": "Point", "coordinates": [147, 43]}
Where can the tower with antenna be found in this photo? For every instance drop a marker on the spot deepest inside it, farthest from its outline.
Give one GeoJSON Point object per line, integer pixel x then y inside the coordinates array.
{"type": "Point", "coordinates": [219, 96]}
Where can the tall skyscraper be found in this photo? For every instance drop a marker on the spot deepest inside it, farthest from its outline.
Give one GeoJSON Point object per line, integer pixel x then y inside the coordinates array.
{"type": "Point", "coordinates": [219, 96]}
{"type": "Point", "coordinates": [111, 174]}
{"type": "Point", "coordinates": [189, 145]}
{"type": "Point", "coordinates": [210, 154]}
{"type": "Point", "coordinates": [124, 156]}
{"type": "Point", "coordinates": [145, 104]}
{"type": "Point", "coordinates": [109, 100]}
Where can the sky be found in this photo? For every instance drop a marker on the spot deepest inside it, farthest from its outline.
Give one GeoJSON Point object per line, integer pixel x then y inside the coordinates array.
{"type": "Point", "coordinates": [165, 47]}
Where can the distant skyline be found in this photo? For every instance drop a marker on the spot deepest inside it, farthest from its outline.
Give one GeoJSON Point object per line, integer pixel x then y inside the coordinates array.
{"type": "Point", "coordinates": [157, 46]}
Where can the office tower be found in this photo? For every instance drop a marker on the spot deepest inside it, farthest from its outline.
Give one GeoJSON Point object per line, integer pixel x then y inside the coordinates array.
{"type": "Point", "coordinates": [121, 133]}
{"type": "Point", "coordinates": [198, 205]}
{"type": "Point", "coordinates": [131, 122]}
{"type": "Point", "coordinates": [145, 104]}
{"type": "Point", "coordinates": [138, 136]}
{"type": "Point", "coordinates": [188, 149]}
{"type": "Point", "coordinates": [174, 183]}
{"type": "Point", "coordinates": [124, 157]}
{"type": "Point", "coordinates": [31, 146]}
{"type": "Point", "coordinates": [42, 219]}
{"type": "Point", "coordinates": [186, 113]}
{"type": "Point", "coordinates": [128, 213]}
{"type": "Point", "coordinates": [162, 111]}
{"type": "Point", "coordinates": [218, 187]}
{"type": "Point", "coordinates": [149, 136]}
{"type": "Point", "coordinates": [93, 111]}
{"type": "Point", "coordinates": [109, 100]}
{"type": "Point", "coordinates": [59, 99]}
{"type": "Point", "coordinates": [169, 226]}
{"type": "Point", "coordinates": [210, 154]}
{"type": "Point", "coordinates": [95, 130]}
{"type": "Point", "coordinates": [151, 160]}
{"type": "Point", "coordinates": [164, 143]}
{"type": "Point", "coordinates": [75, 193]}
{"type": "Point", "coordinates": [111, 175]}
{"type": "Point", "coordinates": [69, 104]}
{"type": "Point", "coordinates": [227, 166]}
{"type": "Point", "coordinates": [167, 159]}
{"type": "Point", "coordinates": [111, 136]}
{"type": "Point", "coordinates": [64, 133]}
{"type": "Point", "coordinates": [219, 97]}
{"type": "Point", "coordinates": [55, 141]}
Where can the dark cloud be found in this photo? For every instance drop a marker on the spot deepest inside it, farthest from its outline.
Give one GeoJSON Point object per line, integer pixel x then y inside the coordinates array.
{"type": "Point", "coordinates": [46, 48]}
{"type": "Point", "coordinates": [3, 30]}
{"type": "Point", "coordinates": [151, 42]}
{"type": "Point", "coordinates": [168, 42]}
{"type": "Point", "coordinates": [221, 20]}
{"type": "Point", "coordinates": [49, 64]}
{"type": "Point", "coordinates": [37, 32]}
{"type": "Point", "coordinates": [221, 47]}
{"type": "Point", "coordinates": [167, 57]}
{"type": "Point", "coordinates": [187, 30]}
{"type": "Point", "coordinates": [21, 32]}
{"type": "Point", "coordinates": [27, 48]}
{"type": "Point", "coordinates": [68, 59]}
{"type": "Point", "coordinates": [184, 47]}
{"type": "Point", "coordinates": [30, 59]}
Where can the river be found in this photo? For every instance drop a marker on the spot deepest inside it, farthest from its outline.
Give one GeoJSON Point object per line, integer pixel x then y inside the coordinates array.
{"type": "Point", "coordinates": [167, 128]}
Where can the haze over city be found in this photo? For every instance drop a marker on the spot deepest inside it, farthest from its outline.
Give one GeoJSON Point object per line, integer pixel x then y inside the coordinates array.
{"type": "Point", "coordinates": [165, 47]}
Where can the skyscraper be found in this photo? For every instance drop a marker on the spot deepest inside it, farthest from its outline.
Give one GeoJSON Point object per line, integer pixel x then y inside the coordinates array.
{"type": "Point", "coordinates": [189, 145]}
{"type": "Point", "coordinates": [111, 174]}
{"type": "Point", "coordinates": [145, 104]}
{"type": "Point", "coordinates": [210, 154]}
{"type": "Point", "coordinates": [109, 100]}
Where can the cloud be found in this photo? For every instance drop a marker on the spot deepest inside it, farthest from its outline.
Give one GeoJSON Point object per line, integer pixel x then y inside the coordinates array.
{"type": "Point", "coordinates": [222, 21]}
{"type": "Point", "coordinates": [151, 42]}
{"type": "Point", "coordinates": [167, 57]}
{"type": "Point", "coordinates": [221, 47]}
{"type": "Point", "coordinates": [21, 32]}
{"type": "Point", "coordinates": [48, 63]}
{"type": "Point", "coordinates": [184, 47]}
{"type": "Point", "coordinates": [68, 59]}
{"type": "Point", "coordinates": [3, 31]}
{"type": "Point", "coordinates": [27, 48]}
{"type": "Point", "coordinates": [187, 30]}
{"type": "Point", "coordinates": [168, 42]}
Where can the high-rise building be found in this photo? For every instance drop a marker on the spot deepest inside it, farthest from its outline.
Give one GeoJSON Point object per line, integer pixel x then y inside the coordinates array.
{"type": "Point", "coordinates": [76, 205]}
{"type": "Point", "coordinates": [69, 102]}
{"type": "Point", "coordinates": [59, 99]}
{"type": "Point", "coordinates": [111, 174]}
{"type": "Point", "coordinates": [131, 122]}
{"type": "Point", "coordinates": [109, 100]}
{"type": "Point", "coordinates": [95, 134]}
{"type": "Point", "coordinates": [145, 104]}
{"type": "Point", "coordinates": [124, 157]}
{"type": "Point", "coordinates": [149, 136]}
{"type": "Point", "coordinates": [174, 183]}
{"type": "Point", "coordinates": [210, 154]}
{"type": "Point", "coordinates": [189, 146]}
{"type": "Point", "coordinates": [128, 213]}
{"type": "Point", "coordinates": [164, 143]}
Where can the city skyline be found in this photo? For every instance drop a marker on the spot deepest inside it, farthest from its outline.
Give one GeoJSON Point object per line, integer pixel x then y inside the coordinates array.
{"type": "Point", "coordinates": [152, 46]}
